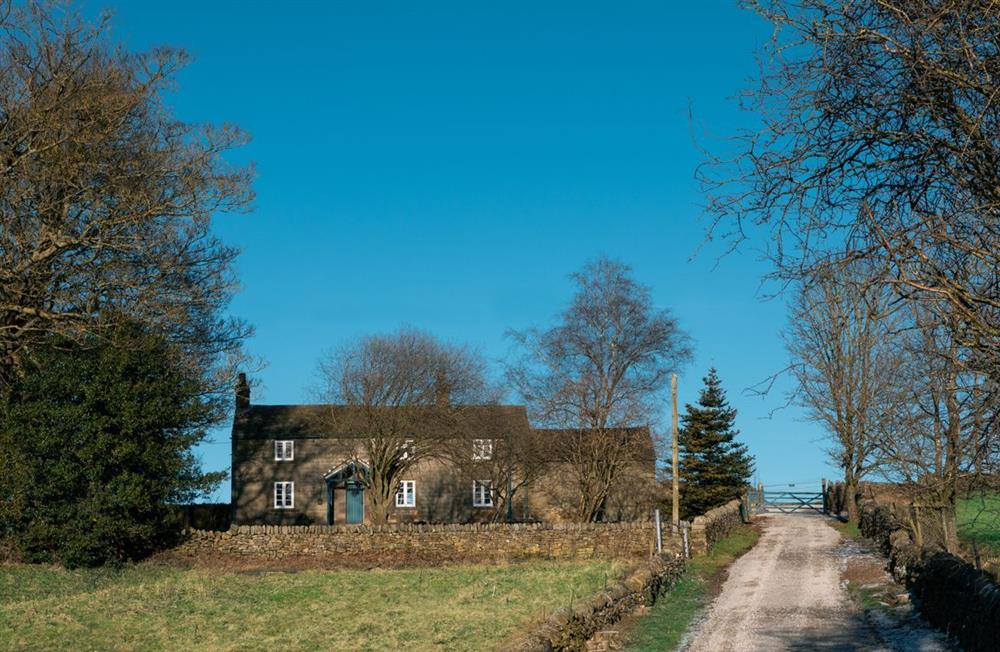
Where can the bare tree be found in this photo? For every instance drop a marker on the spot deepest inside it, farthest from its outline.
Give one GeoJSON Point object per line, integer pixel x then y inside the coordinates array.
{"type": "Point", "coordinates": [509, 459]}
{"type": "Point", "coordinates": [845, 360]}
{"type": "Point", "coordinates": [879, 139]}
{"type": "Point", "coordinates": [597, 372]}
{"type": "Point", "coordinates": [943, 436]}
{"type": "Point", "coordinates": [408, 395]}
{"type": "Point", "coordinates": [105, 197]}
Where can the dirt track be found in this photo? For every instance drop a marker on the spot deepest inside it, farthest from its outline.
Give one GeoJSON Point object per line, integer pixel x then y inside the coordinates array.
{"type": "Point", "coordinates": [786, 594]}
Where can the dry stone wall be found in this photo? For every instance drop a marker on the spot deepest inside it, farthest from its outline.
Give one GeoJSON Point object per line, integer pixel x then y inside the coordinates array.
{"type": "Point", "coordinates": [950, 593]}
{"type": "Point", "coordinates": [570, 628]}
{"type": "Point", "coordinates": [714, 525]}
{"type": "Point", "coordinates": [402, 544]}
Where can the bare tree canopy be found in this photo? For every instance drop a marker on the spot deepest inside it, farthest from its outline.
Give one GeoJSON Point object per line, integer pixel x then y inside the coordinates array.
{"type": "Point", "coordinates": [106, 197]}
{"type": "Point", "coordinates": [410, 392]}
{"type": "Point", "coordinates": [599, 370]}
{"type": "Point", "coordinates": [880, 139]}
{"type": "Point", "coordinates": [846, 360]}
{"type": "Point", "coordinates": [942, 440]}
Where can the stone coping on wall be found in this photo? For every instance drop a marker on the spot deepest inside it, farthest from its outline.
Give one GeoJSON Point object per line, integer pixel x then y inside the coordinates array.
{"type": "Point", "coordinates": [427, 527]}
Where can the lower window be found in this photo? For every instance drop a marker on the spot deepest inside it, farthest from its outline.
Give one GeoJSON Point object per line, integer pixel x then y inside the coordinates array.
{"type": "Point", "coordinates": [406, 494]}
{"type": "Point", "coordinates": [284, 495]}
{"type": "Point", "coordinates": [482, 493]}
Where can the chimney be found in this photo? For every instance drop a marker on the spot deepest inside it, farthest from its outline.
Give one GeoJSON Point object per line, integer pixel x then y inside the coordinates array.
{"type": "Point", "coordinates": [242, 393]}
{"type": "Point", "coordinates": [441, 394]}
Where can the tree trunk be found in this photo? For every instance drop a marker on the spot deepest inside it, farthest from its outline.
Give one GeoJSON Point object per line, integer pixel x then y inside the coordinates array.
{"type": "Point", "coordinates": [850, 499]}
{"type": "Point", "coordinates": [949, 528]}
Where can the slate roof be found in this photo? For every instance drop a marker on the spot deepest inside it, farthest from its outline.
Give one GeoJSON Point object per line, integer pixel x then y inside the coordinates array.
{"type": "Point", "coordinates": [346, 421]}
{"type": "Point", "coordinates": [319, 421]}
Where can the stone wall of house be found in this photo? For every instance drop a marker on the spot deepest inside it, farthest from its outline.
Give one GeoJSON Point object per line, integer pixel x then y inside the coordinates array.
{"type": "Point", "coordinates": [443, 492]}
{"type": "Point", "coordinates": [950, 593]}
{"type": "Point", "coordinates": [403, 544]}
{"type": "Point", "coordinates": [572, 626]}
{"type": "Point", "coordinates": [714, 525]}
{"type": "Point", "coordinates": [555, 497]}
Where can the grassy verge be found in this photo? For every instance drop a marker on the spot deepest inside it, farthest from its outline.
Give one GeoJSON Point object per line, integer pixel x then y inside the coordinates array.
{"type": "Point", "coordinates": [663, 626]}
{"type": "Point", "coordinates": [150, 607]}
{"type": "Point", "coordinates": [864, 576]}
{"type": "Point", "coordinates": [847, 530]}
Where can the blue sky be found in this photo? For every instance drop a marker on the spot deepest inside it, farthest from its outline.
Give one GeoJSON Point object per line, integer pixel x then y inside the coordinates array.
{"type": "Point", "coordinates": [447, 164]}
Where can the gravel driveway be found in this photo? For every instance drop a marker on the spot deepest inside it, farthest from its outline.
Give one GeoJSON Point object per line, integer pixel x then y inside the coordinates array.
{"type": "Point", "coordinates": [786, 594]}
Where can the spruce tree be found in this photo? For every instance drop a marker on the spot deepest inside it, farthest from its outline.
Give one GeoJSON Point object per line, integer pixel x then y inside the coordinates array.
{"type": "Point", "coordinates": [714, 467]}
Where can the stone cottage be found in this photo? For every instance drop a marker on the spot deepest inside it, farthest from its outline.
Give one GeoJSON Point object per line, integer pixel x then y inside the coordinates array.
{"type": "Point", "coordinates": [308, 464]}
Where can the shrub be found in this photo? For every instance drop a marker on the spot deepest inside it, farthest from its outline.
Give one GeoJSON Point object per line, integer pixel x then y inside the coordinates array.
{"type": "Point", "coordinates": [97, 440]}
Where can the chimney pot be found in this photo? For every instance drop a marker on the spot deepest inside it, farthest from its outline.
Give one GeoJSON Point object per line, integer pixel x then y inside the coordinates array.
{"type": "Point", "coordinates": [242, 393]}
{"type": "Point", "coordinates": [443, 395]}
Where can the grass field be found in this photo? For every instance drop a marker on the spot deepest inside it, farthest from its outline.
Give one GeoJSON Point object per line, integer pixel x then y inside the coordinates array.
{"type": "Point", "coordinates": [662, 628]}
{"type": "Point", "coordinates": [156, 607]}
{"type": "Point", "coordinates": [979, 524]}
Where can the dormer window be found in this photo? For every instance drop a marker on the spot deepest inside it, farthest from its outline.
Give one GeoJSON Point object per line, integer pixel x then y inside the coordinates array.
{"type": "Point", "coordinates": [482, 449]}
{"type": "Point", "coordinates": [406, 450]}
{"type": "Point", "coordinates": [284, 451]}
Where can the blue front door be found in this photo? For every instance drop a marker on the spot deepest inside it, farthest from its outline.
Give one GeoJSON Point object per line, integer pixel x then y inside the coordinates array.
{"type": "Point", "coordinates": [355, 503]}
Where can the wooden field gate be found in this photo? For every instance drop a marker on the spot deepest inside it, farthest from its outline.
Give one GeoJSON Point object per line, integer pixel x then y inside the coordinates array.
{"type": "Point", "coordinates": [786, 502]}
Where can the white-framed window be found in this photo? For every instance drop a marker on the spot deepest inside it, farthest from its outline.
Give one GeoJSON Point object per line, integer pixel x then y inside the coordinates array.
{"type": "Point", "coordinates": [482, 493]}
{"type": "Point", "coordinates": [406, 494]}
{"type": "Point", "coordinates": [284, 495]}
{"type": "Point", "coordinates": [482, 449]}
{"type": "Point", "coordinates": [406, 450]}
{"type": "Point", "coordinates": [284, 451]}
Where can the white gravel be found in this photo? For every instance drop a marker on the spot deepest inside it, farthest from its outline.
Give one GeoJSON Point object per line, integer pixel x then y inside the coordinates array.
{"type": "Point", "coordinates": [786, 594]}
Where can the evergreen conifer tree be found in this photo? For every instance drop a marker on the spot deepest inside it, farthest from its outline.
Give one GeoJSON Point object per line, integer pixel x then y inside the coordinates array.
{"type": "Point", "coordinates": [714, 467]}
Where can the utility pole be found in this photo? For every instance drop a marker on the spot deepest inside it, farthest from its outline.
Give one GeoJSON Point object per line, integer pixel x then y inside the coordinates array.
{"type": "Point", "coordinates": [510, 482]}
{"type": "Point", "coordinates": [674, 471]}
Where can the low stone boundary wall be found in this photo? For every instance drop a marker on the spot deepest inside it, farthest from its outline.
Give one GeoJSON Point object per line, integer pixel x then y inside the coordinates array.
{"type": "Point", "coordinates": [570, 628]}
{"type": "Point", "coordinates": [878, 523]}
{"type": "Point", "coordinates": [714, 525]}
{"type": "Point", "coordinates": [401, 544]}
{"type": "Point", "coordinates": [950, 593]}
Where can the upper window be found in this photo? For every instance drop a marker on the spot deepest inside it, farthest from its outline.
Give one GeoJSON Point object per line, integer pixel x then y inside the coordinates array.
{"type": "Point", "coordinates": [482, 493]}
{"type": "Point", "coordinates": [284, 451]}
{"type": "Point", "coordinates": [406, 494]}
{"type": "Point", "coordinates": [482, 449]}
{"type": "Point", "coordinates": [284, 495]}
{"type": "Point", "coordinates": [406, 450]}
